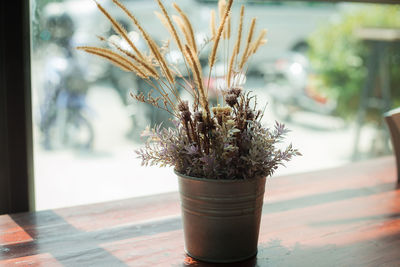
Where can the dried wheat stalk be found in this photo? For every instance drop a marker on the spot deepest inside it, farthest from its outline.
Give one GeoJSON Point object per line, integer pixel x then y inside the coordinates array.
{"type": "Point", "coordinates": [115, 58]}
{"type": "Point", "coordinates": [230, 68]}
{"type": "Point", "coordinates": [199, 80]}
{"type": "Point", "coordinates": [119, 29]}
{"type": "Point", "coordinates": [212, 25]}
{"type": "Point", "coordinates": [228, 28]}
{"type": "Point", "coordinates": [259, 41]}
{"type": "Point", "coordinates": [240, 29]}
{"type": "Point", "coordinates": [248, 42]}
{"type": "Point", "coordinates": [221, 8]}
{"type": "Point", "coordinates": [181, 25]}
{"type": "Point", "coordinates": [218, 36]}
{"type": "Point", "coordinates": [154, 64]}
{"type": "Point", "coordinates": [188, 26]}
{"type": "Point", "coordinates": [150, 70]}
{"type": "Point", "coordinates": [150, 43]}
{"type": "Point", "coordinates": [170, 26]}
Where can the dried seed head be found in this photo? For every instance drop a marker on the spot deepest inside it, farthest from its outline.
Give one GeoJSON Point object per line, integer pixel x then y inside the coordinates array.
{"type": "Point", "coordinates": [235, 90]}
{"type": "Point", "coordinates": [216, 110]}
{"type": "Point", "coordinates": [212, 24]}
{"type": "Point", "coordinates": [221, 8]}
{"type": "Point", "coordinates": [227, 111]}
{"type": "Point", "coordinates": [188, 26]}
{"type": "Point", "coordinates": [230, 123]}
{"type": "Point", "coordinates": [219, 118]}
{"type": "Point", "coordinates": [249, 114]}
{"type": "Point", "coordinates": [201, 127]}
{"type": "Point", "coordinates": [212, 57]}
{"type": "Point", "coordinates": [222, 110]}
{"type": "Point", "coordinates": [231, 99]}
{"type": "Point", "coordinates": [185, 115]}
{"type": "Point", "coordinates": [183, 106]}
{"type": "Point", "coordinates": [198, 116]}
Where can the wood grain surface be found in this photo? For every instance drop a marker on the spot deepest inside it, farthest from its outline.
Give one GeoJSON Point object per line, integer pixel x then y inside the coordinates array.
{"type": "Point", "coordinates": [347, 216]}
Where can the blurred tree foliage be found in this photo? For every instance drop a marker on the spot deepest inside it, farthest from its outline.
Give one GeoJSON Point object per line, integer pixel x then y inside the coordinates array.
{"type": "Point", "coordinates": [340, 58]}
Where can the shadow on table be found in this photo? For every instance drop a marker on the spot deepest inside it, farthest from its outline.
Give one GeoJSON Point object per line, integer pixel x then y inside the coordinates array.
{"type": "Point", "coordinates": [371, 251]}
{"type": "Point", "coordinates": [328, 197]}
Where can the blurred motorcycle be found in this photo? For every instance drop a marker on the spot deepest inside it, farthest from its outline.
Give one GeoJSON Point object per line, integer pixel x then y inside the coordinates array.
{"type": "Point", "coordinates": [292, 85]}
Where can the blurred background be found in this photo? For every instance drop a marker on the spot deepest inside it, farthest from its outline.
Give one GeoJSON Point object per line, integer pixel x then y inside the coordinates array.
{"type": "Point", "coordinates": [329, 71]}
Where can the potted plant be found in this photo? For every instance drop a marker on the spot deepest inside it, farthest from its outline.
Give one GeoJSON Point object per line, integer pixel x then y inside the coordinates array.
{"type": "Point", "coordinates": [221, 154]}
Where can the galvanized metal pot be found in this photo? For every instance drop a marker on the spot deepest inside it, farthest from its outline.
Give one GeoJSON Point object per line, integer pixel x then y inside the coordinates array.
{"type": "Point", "coordinates": [221, 218]}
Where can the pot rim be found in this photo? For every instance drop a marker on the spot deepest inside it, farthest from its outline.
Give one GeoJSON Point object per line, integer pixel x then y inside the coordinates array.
{"type": "Point", "coordinates": [218, 180]}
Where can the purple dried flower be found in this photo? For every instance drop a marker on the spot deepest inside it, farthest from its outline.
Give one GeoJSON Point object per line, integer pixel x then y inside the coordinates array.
{"type": "Point", "coordinates": [217, 152]}
{"type": "Point", "coordinates": [191, 150]}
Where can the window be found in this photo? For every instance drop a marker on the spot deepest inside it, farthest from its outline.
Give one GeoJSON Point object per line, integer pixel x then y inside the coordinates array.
{"type": "Point", "coordinates": [86, 127]}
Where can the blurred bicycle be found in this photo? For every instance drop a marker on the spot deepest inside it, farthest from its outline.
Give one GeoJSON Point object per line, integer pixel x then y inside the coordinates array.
{"type": "Point", "coordinates": [64, 112]}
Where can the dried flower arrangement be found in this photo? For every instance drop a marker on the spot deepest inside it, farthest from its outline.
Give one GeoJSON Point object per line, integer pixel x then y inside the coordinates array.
{"type": "Point", "coordinates": [222, 142]}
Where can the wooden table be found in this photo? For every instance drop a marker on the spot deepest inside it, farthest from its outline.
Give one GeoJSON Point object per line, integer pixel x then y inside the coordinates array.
{"type": "Point", "coordinates": [348, 216]}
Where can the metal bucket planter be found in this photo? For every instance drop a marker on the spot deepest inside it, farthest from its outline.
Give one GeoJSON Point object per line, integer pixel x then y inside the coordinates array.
{"type": "Point", "coordinates": [221, 218]}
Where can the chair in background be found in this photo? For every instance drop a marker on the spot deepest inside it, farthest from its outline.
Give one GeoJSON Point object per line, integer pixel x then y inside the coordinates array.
{"type": "Point", "coordinates": [392, 118]}
{"type": "Point", "coordinates": [376, 93]}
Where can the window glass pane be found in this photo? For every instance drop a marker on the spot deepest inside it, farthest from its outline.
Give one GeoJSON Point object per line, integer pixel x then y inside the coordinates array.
{"type": "Point", "coordinates": [311, 73]}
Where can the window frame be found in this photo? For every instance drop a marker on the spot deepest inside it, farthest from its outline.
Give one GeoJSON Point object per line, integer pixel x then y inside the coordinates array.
{"type": "Point", "coordinates": [16, 155]}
